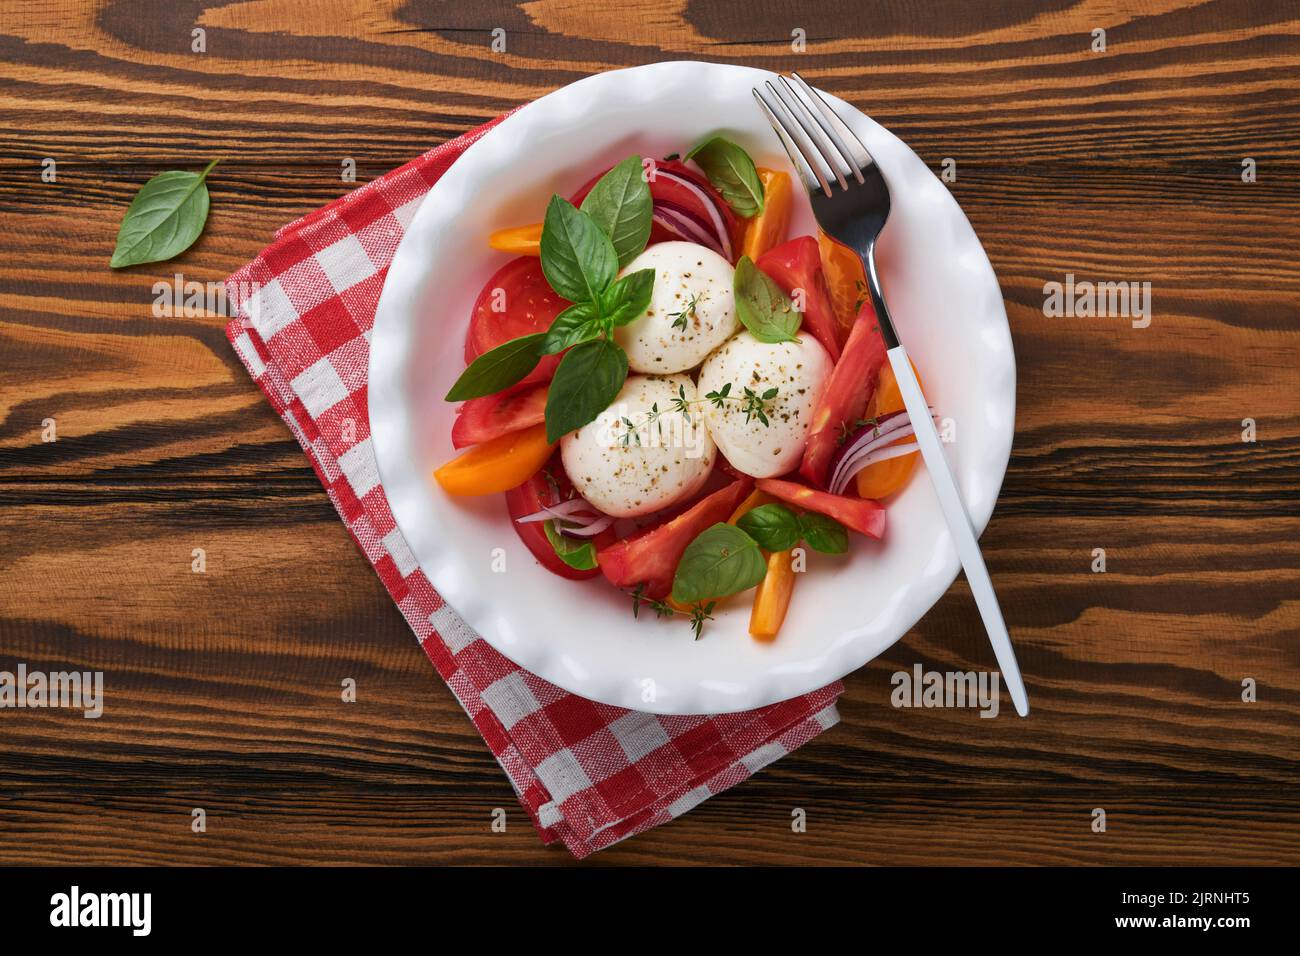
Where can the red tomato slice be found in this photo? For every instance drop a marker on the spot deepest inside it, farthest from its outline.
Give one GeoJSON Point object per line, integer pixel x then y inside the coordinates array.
{"type": "Point", "coordinates": [797, 264]}
{"type": "Point", "coordinates": [860, 514]}
{"type": "Point", "coordinates": [845, 397]}
{"type": "Point", "coordinates": [650, 557]}
{"type": "Point", "coordinates": [528, 499]}
{"type": "Point", "coordinates": [526, 304]}
{"type": "Point", "coordinates": [482, 419]}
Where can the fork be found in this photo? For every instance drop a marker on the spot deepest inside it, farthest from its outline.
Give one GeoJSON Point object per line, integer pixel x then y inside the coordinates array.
{"type": "Point", "coordinates": [854, 215]}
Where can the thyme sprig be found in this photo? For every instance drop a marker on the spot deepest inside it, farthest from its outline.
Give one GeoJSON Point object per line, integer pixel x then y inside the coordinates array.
{"type": "Point", "coordinates": [847, 429]}
{"type": "Point", "coordinates": [688, 312]}
{"type": "Point", "coordinates": [698, 615]}
{"type": "Point", "coordinates": [753, 404]}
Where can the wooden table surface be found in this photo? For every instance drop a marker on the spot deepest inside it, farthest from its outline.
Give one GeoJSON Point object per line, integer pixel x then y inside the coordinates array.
{"type": "Point", "coordinates": [223, 688]}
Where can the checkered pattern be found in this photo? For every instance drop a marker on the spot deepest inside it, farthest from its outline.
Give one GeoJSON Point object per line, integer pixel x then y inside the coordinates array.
{"type": "Point", "coordinates": [588, 774]}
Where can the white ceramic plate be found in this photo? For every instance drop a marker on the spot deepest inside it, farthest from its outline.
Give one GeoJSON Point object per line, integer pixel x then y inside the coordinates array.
{"type": "Point", "coordinates": [581, 635]}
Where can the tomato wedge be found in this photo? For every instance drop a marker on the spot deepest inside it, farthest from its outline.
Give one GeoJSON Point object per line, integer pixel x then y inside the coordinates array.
{"type": "Point", "coordinates": [755, 499]}
{"type": "Point", "coordinates": [489, 417]}
{"type": "Point", "coordinates": [772, 599]}
{"type": "Point", "coordinates": [649, 558]}
{"type": "Point", "coordinates": [845, 397]}
{"type": "Point", "coordinates": [767, 230]}
{"type": "Point", "coordinates": [496, 465]}
{"type": "Point", "coordinates": [797, 264]}
{"type": "Point", "coordinates": [516, 301]}
{"type": "Point", "coordinates": [549, 486]}
{"type": "Point", "coordinates": [846, 281]}
{"type": "Point", "coordinates": [860, 514]}
{"type": "Point", "coordinates": [521, 240]}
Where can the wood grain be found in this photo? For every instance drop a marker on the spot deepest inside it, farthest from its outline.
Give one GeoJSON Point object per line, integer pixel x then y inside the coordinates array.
{"type": "Point", "coordinates": [224, 687]}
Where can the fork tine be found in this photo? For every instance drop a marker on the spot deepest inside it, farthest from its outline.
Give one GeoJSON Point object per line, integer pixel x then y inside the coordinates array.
{"type": "Point", "coordinates": [861, 154]}
{"type": "Point", "coordinates": [829, 122]}
{"type": "Point", "coordinates": [803, 161]}
{"type": "Point", "coordinates": [803, 115]}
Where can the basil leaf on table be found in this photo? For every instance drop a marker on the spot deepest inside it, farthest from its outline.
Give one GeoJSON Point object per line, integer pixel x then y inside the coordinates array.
{"type": "Point", "coordinates": [628, 298]}
{"type": "Point", "coordinates": [775, 527]}
{"type": "Point", "coordinates": [621, 206]}
{"type": "Point", "coordinates": [722, 560]}
{"type": "Point", "coordinates": [164, 218]}
{"type": "Point", "coordinates": [576, 554]}
{"type": "Point", "coordinates": [578, 259]}
{"type": "Point", "coordinates": [586, 382]}
{"type": "Point", "coordinates": [762, 306]}
{"type": "Point", "coordinates": [732, 172]}
{"type": "Point", "coordinates": [577, 323]}
{"type": "Point", "coordinates": [498, 368]}
{"type": "Point", "coordinates": [823, 534]}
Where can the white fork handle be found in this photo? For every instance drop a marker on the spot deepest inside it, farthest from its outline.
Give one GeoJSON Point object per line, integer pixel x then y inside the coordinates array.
{"type": "Point", "coordinates": [959, 524]}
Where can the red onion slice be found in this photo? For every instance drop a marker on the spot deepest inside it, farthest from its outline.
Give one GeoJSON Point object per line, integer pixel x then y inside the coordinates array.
{"type": "Point", "coordinates": [888, 452]}
{"type": "Point", "coordinates": [591, 530]}
{"type": "Point", "coordinates": [688, 212]}
{"type": "Point", "coordinates": [667, 223]}
{"type": "Point", "coordinates": [719, 226]}
{"type": "Point", "coordinates": [865, 448]}
{"type": "Point", "coordinates": [851, 463]}
{"type": "Point", "coordinates": [565, 510]}
{"type": "Point", "coordinates": [862, 441]}
{"type": "Point", "coordinates": [685, 227]}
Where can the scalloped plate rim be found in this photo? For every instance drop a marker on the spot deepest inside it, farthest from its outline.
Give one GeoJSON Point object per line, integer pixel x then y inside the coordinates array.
{"type": "Point", "coordinates": [391, 424]}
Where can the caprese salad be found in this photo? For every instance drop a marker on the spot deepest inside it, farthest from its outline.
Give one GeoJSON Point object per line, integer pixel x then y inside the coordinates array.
{"type": "Point", "coordinates": [676, 396]}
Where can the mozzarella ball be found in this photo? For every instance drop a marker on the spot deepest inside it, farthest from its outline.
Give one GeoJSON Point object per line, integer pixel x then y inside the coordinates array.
{"type": "Point", "coordinates": [641, 454]}
{"type": "Point", "coordinates": [692, 309]}
{"type": "Point", "coordinates": [797, 370]}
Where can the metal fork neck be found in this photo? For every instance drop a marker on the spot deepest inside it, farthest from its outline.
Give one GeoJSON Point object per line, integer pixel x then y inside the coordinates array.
{"type": "Point", "coordinates": [887, 331]}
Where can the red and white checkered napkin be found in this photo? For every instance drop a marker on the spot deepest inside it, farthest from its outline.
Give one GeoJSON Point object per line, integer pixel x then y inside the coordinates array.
{"type": "Point", "coordinates": [587, 773]}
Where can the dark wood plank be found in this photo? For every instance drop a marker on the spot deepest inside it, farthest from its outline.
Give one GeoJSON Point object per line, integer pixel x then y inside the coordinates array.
{"type": "Point", "coordinates": [224, 687]}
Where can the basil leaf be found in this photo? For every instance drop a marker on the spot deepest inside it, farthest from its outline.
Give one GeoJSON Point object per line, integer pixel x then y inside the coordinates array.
{"type": "Point", "coordinates": [576, 554]}
{"type": "Point", "coordinates": [722, 560]}
{"type": "Point", "coordinates": [577, 323]}
{"type": "Point", "coordinates": [577, 257]}
{"type": "Point", "coordinates": [732, 173]}
{"type": "Point", "coordinates": [775, 527]}
{"type": "Point", "coordinates": [164, 218]}
{"type": "Point", "coordinates": [628, 298]}
{"type": "Point", "coordinates": [764, 309]}
{"type": "Point", "coordinates": [822, 533]}
{"type": "Point", "coordinates": [585, 384]}
{"type": "Point", "coordinates": [620, 204]}
{"type": "Point", "coordinates": [498, 368]}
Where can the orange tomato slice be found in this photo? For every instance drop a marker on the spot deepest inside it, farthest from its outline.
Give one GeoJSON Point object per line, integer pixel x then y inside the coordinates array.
{"type": "Point", "coordinates": [846, 280]}
{"type": "Point", "coordinates": [767, 229]}
{"type": "Point", "coordinates": [884, 478]}
{"type": "Point", "coordinates": [497, 465]}
{"type": "Point", "coordinates": [772, 599]}
{"type": "Point", "coordinates": [754, 499]}
{"type": "Point", "coordinates": [521, 240]}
